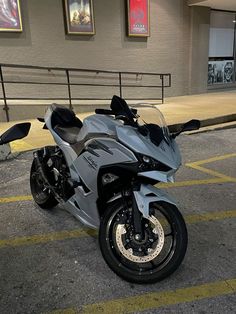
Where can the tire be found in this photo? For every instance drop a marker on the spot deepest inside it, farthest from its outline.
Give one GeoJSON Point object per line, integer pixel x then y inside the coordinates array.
{"type": "Point", "coordinates": [43, 197]}
{"type": "Point", "coordinates": [160, 267]}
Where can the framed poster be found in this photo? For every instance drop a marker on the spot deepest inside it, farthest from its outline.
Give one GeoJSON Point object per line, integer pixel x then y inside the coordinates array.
{"type": "Point", "coordinates": [79, 17]}
{"type": "Point", "coordinates": [10, 16]}
{"type": "Point", "coordinates": [138, 18]}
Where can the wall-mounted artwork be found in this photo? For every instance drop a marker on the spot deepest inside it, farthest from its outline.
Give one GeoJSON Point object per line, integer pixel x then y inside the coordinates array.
{"type": "Point", "coordinates": [79, 17]}
{"type": "Point", "coordinates": [220, 72]}
{"type": "Point", "coordinates": [10, 16]}
{"type": "Point", "coordinates": [138, 18]}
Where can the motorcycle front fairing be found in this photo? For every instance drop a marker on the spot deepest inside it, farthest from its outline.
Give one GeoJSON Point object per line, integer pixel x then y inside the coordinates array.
{"type": "Point", "coordinates": [155, 143]}
{"type": "Point", "coordinates": [148, 193]}
{"type": "Point", "coordinates": [164, 151]}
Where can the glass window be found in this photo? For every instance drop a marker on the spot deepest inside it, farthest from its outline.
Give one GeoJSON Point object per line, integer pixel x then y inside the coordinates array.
{"type": "Point", "coordinates": [222, 48]}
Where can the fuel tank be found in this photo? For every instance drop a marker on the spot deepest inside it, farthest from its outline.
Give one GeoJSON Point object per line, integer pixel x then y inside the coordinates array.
{"type": "Point", "coordinates": [96, 125]}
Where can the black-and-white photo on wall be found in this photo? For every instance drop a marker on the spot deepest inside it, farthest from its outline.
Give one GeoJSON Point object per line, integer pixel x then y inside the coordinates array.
{"type": "Point", "coordinates": [220, 72]}
{"type": "Point", "coordinates": [228, 71]}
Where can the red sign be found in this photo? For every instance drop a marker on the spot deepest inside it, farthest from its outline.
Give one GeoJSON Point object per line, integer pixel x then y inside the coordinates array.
{"type": "Point", "coordinates": [138, 17]}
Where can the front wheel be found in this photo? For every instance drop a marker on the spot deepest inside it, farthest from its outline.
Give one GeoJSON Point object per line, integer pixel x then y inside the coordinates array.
{"type": "Point", "coordinates": [154, 256]}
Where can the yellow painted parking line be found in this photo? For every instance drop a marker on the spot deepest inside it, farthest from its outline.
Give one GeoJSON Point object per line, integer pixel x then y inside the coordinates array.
{"type": "Point", "coordinates": [211, 172]}
{"type": "Point", "coordinates": [213, 159]}
{"type": "Point", "coordinates": [84, 232]}
{"type": "Point", "coordinates": [210, 216]}
{"type": "Point", "coordinates": [218, 178]}
{"type": "Point", "coordinates": [186, 183]}
{"type": "Point", "coordinates": [15, 198]}
{"type": "Point", "coordinates": [193, 182]}
{"type": "Point", "coordinates": [196, 165]}
{"type": "Point", "coordinates": [20, 198]}
{"type": "Point", "coordinates": [20, 146]}
{"type": "Point", "coordinates": [154, 300]}
{"type": "Point", "coordinates": [47, 237]}
{"type": "Point", "coordinates": [66, 311]}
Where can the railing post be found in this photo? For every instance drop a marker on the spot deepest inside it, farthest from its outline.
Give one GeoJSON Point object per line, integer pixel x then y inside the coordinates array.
{"type": "Point", "coordinates": [69, 90]}
{"type": "Point", "coordinates": [162, 88]}
{"type": "Point", "coordinates": [6, 108]}
{"type": "Point", "coordinates": [120, 84]}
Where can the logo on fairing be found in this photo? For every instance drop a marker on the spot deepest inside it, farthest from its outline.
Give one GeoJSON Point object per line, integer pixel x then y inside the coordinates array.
{"type": "Point", "coordinates": [91, 162]}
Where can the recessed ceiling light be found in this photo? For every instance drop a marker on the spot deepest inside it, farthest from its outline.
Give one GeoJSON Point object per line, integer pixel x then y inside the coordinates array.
{"type": "Point", "coordinates": [234, 21]}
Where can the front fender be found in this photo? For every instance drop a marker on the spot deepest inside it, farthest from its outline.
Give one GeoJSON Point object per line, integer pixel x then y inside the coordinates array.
{"type": "Point", "coordinates": [149, 194]}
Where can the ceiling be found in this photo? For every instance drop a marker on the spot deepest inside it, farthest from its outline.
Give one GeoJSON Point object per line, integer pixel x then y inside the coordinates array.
{"type": "Point", "coordinates": [215, 4]}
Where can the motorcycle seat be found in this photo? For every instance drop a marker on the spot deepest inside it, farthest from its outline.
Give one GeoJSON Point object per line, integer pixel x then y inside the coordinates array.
{"type": "Point", "coordinates": [68, 134]}
{"type": "Point", "coordinates": [65, 123]}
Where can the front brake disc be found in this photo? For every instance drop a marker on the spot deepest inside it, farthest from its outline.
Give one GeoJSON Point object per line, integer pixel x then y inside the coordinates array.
{"type": "Point", "coordinates": [152, 252]}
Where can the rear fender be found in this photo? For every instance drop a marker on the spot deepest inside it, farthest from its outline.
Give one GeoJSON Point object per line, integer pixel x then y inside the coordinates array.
{"type": "Point", "coordinates": [149, 194]}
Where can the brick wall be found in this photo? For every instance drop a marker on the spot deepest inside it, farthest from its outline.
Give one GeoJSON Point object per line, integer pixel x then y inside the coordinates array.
{"type": "Point", "coordinates": [170, 48]}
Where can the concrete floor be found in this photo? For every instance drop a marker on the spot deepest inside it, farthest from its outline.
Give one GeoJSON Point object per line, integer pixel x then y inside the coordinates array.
{"type": "Point", "coordinates": [48, 266]}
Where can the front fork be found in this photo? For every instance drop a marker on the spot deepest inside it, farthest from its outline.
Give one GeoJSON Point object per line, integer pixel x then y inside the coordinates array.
{"type": "Point", "coordinates": [143, 196]}
{"type": "Point", "coordinates": [137, 219]}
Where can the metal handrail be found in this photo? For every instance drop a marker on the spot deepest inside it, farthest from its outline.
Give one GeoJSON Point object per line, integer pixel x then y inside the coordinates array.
{"type": "Point", "coordinates": [164, 77]}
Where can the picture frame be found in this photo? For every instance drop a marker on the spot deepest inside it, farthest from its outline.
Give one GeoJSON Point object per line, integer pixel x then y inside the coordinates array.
{"type": "Point", "coordinates": [10, 16]}
{"type": "Point", "coordinates": [138, 12]}
{"type": "Point", "coordinates": [79, 17]}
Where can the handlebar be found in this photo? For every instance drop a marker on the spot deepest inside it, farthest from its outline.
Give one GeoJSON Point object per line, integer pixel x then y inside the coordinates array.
{"type": "Point", "coordinates": [110, 112]}
{"type": "Point", "coordinates": [121, 110]}
{"type": "Point", "coordinates": [104, 111]}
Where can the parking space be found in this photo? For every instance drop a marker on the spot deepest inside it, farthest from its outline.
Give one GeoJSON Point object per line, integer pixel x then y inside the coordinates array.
{"type": "Point", "coordinates": [50, 263]}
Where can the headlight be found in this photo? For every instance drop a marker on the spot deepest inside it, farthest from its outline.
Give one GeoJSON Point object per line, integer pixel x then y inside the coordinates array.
{"type": "Point", "coordinates": [147, 164]}
{"type": "Point", "coordinates": [147, 159]}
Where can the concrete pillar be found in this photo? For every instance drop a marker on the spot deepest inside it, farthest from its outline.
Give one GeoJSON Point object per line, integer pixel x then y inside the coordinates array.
{"type": "Point", "coordinates": [199, 49]}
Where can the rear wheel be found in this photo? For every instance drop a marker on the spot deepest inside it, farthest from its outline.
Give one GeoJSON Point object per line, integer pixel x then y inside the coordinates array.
{"type": "Point", "coordinates": [152, 258]}
{"type": "Point", "coordinates": [41, 194]}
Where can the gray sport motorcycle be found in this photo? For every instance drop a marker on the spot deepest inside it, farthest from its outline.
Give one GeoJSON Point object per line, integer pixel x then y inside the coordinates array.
{"type": "Point", "coordinates": [104, 172]}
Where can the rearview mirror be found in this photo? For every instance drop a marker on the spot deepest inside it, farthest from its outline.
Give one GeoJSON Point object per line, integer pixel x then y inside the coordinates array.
{"type": "Point", "coordinates": [191, 125]}
{"type": "Point", "coordinates": [188, 126]}
{"type": "Point", "coordinates": [16, 132]}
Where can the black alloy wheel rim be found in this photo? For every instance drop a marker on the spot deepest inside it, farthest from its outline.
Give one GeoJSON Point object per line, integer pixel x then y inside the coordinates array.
{"type": "Point", "coordinates": [140, 268]}
{"type": "Point", "coordinates": [41, 193]}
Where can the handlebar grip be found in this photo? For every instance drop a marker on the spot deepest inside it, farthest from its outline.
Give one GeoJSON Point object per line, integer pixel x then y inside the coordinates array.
{"type": "Point", "coordinates": [104, 111]}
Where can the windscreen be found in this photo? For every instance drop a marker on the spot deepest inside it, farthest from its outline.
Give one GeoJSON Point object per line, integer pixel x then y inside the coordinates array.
{"type": "Point", "coordinates": [149, 114]}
